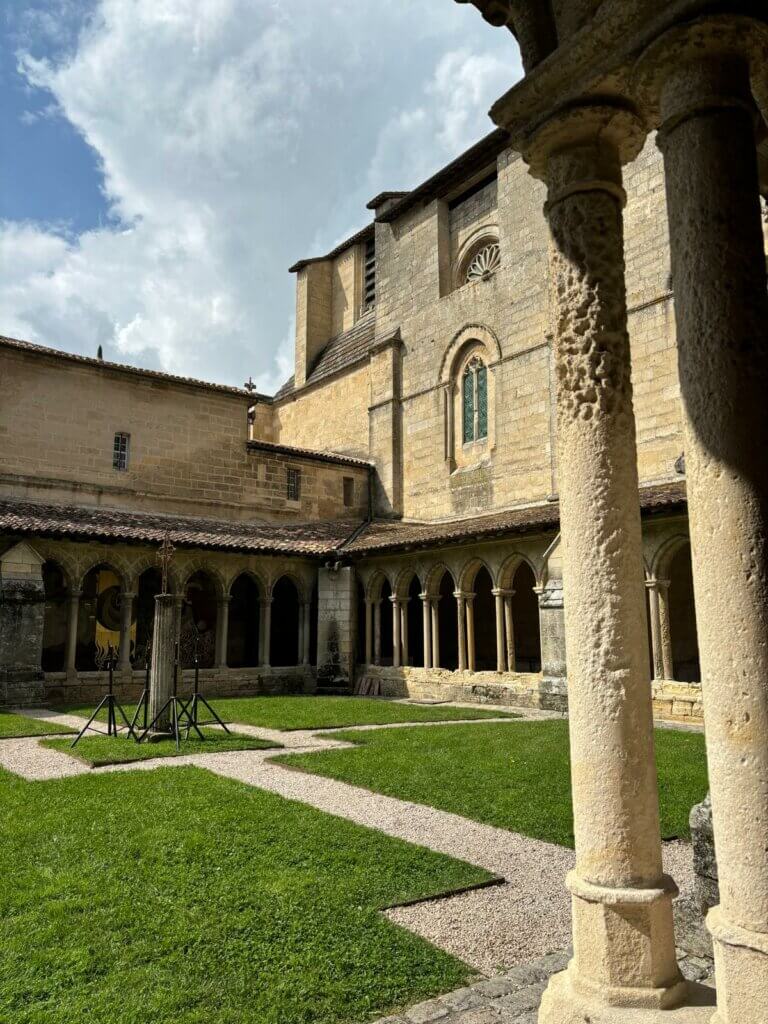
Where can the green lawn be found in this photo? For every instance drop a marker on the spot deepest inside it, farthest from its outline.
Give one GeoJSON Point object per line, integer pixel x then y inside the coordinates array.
{"type": "Point", "coordinates": [100, 750]}
{"type": "Point", "coordinates": [328, 712]}
{"type": "Point", "coordinates": [178, 897]}
{"type": "Point", "coordinates": [515, 776]}
{"type": "Point", "coordinates": [13, 726]}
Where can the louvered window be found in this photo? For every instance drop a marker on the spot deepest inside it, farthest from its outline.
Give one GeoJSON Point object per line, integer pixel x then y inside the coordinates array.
{"type": "Point", "coordinates": [369, 279]}
{"type": "Point", "coordinates": [474, 402]}
{"type": "Point", "coordinates": [293, 484]}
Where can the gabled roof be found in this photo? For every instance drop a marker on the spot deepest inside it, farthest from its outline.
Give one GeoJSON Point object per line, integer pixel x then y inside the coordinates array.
{"type": "Point", "coordinates": [136, 371]}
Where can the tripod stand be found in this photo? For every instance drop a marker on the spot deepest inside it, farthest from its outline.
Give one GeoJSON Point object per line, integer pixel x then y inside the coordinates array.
{"type": "Point", "coordinates": [110, 702]}
{"type": "Point", "coordinates": [191, 708]}
{"type": "Point", "coordinates": [143, 704]}
{"type": "Point", "coordinates": [176, 708]}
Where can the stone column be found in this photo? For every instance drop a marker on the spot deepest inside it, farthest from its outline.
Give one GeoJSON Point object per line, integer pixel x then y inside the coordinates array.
{"type": "Point", "coordinates": [707, 137]}
{"type": "Point", "coordinates": [435, 615]}
{"type": "Point", "coordinates": [377, 632]}
{"type": "Point", "coordinates": [126, 620]}
{"type": "Point", "coordinates": [265, 632]}
{"type": "Point", "coordinates": [652, 587]}
{"type": "Point", "coordinates": [461, 621]}
{"type": "Point", "coordinates": [222, 632]}
{"type": "Point", "coordinates": [73, 613]}
{"type": "Point", "coordinates": [509, 629]}
{"type": "Point", "coordinates": [469, 603]}
{"type": "Point", "coordinates": [624, 951]}
{"type": "Point", "coordinates": [22, 625]}
{"type": "Point", "coordinates": [306, 632]}
{"type": "Point", "coordinates": [405, 660]}
{"type": "Point", "coordinates": [395, 631]}
{"type": "Point", "coordinates": [665, 631]}
{"type": "Point", "coordinates": [501, 647]}
{"type": "Point", "coordinates": [368, 632]}
{"type": "Point", "coordinates": [426, 627]}
{"type": "Point", "coordinates": [163, 655]}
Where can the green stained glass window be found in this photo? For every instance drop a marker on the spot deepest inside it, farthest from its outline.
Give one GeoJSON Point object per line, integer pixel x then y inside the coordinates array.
{"type": "Point", "coordinates": [468, 405]}
{"type": "Point", "coordinates": [482, 402]}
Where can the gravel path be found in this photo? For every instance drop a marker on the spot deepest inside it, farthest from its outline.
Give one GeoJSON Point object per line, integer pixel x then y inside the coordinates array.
{"type": "Point", "coordinates": [491, 929]}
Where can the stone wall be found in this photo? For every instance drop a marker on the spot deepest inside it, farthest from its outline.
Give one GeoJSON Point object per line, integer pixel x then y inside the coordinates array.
{"type": "Point", "coordinates": [188, 446]}
{"type": "Point", "coordinates": [332, 415]}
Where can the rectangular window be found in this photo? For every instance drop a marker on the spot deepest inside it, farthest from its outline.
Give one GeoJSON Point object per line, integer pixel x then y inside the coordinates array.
{"type": "Point", "coordinates": [468, 406]}
{"type": "Point", "coordinates": [293, 489]}
{"type": "Point", "coordinates": [120, 451]}
{"type": "Point", "coordinates": [349, 491]}
{"type": "Point", "coordinates": [369, 279]}
{"type": "Point", "coordinates": [482, 402]}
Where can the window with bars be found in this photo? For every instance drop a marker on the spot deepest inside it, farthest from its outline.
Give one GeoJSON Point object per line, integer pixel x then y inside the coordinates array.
{"type": "Point", "coordinates": [293, 484]}
{"type": "Point", "coordinates": [474, 401]}
{"type": "Point", "coordinates": [369, 274]}
{"type": "Point", "coordinates": [120, 451]}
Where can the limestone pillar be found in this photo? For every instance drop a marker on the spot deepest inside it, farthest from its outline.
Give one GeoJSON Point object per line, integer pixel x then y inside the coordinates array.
{"type": "Point", "coordinates": [435, 632]}
{"type": "Point", "coordinates": [501, 647]}
{"type": "Point", "coordinates": [377, 632]}
{"type": "Point", "coordinates": [426, 626]}
{"type": "Point", "coordinates": [368, 632]}
{"type": "Point", "coordinates": [509, 630]}
{"type": "Point", "coordinates": [404, 631]}
{"type": "Point", "coordinates": [73, 614]}
{"type": "Point", "coordinates": [707, 137]}
{"type": "Point", "coordinates": [652, 587]}
{"type": "Point", "coordinates": [469, 603]}
{"type": "Point", "coordinates": [395, 631]}
{"type": "Point", "coordinates": [164, 646]}
{"type": "Point", "coordinates": [461, 621]}
{"type": "Point", "coordinates": [624, 952]}
{"type": "Point", "coordinates": [126, 621]}
{"type": "Point", "coordinates": [665, 632]}
{"type": "Point", "coordinates": [222, 632]}
{"type": "Point", "coordinates": [265, 633]}
{"type": "Point", "coordinates": [306, 631]}
{"type": "Point", "coordinates": [22, 625]}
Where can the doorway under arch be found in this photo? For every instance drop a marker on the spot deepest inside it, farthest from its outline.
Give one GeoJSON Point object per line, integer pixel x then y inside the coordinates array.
{"type": "Point", "coordinates": [525, 617]}
{"type": "Point", "coordinates": [284, 633]}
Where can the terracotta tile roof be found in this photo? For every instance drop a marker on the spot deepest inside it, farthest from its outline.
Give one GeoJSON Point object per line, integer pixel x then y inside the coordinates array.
{"type": "Point", "coordinates": [291, 451]}
{"type": "Point", "coordinates": [137, 371]}
{"type": "Point", "coordinates": [118, 525]}
{"type": "Point", "coordinates": [340, 353]}
{"type": "Point", "coordinates": [392, 535]}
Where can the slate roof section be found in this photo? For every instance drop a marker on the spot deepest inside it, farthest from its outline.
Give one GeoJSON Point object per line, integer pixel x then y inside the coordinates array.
{"type": "Point", "coordinates": [381, 536]}
{"type": "Point", "coordinates": [137, 371]}
{"type": "Point", "coordinates": [291, 451]}
{"type": "Point", "coordinates": [339, 354]}
{"type": "Point", "coordinates": [120, 526]}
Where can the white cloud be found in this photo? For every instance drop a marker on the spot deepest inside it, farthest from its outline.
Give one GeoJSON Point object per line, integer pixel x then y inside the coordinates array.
{"type": "Point", "coordinates": [235, 137]}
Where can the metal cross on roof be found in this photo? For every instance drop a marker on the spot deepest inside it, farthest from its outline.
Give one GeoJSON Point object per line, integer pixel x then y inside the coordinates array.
{"type": "Point", "coordinates": [165, 557]}
{"type": "Point", "coordinates": [249, 385]}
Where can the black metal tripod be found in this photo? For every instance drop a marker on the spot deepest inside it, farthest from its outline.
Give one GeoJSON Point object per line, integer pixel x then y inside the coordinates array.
{"type": "Point", "coordinates": [111, 703]}
{"type": "Point", "coordinates": [143, 705]}
{"type": "Point", "coordinates": [175, 708]}
{"type": "Point", "coordinates": [192, 707]}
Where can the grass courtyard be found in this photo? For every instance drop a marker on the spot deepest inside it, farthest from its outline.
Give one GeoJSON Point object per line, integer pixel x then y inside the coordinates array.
{"type": "Point", "coordinates": [178, 897]}
{"type": "Point", "coordinates": [311, 712]}
{"type": "Point", "coordinates": [101, 750]}
{"type": "Point", "coordinates": [17, 726]}
{"type": "Point", "coordinates": [515, 776]}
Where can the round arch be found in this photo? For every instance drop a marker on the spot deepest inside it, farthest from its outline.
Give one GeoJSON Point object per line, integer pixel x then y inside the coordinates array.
{"type": "Point", "coordinates": [469, 336]}
{"type": "Point", "coordinates": [99, 616]}
{"type": "Point", "coordinates": [509, 567]}
{"type": "Point", "coordinates": [469, 571]}
{"type": "Point", "coordinates": [434, 579]}
{"type": "Point", "coordinates": [376, 583]}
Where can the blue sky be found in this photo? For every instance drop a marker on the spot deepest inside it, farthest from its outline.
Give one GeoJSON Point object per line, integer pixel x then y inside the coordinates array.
{"type": "Point", "coordinates": [164, 161]}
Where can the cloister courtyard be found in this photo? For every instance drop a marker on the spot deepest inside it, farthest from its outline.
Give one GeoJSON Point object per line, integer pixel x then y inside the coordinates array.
{"type": "Point", "coordinates": [334, 860]}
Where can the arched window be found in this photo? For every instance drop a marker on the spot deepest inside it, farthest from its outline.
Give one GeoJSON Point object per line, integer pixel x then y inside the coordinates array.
{"type": "Point", "coordinates": [474, 392]}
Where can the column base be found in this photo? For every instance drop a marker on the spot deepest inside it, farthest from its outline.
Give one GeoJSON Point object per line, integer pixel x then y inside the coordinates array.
{"type": "Point", "coordinates": [562, 1003]}
{"type": "Point", "coordinates": [741, 968]}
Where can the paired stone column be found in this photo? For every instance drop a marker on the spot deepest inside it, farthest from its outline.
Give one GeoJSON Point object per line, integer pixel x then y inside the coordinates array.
{"type": "Point", "coordinates": [404, 659]}
{"type": "Point", "coordinates": [265, 631]}
{"type": "Point", "coordinates": [661, 643]}
{"type": "Point", "coordinates": [126, 621]}
{"type": "Point", "coordinates": [395, 630]}
{"type": "Point", "coordinates": [73, 614]}
{"type": "Point", "coordinates": [461, 621]}
{"type": "Point", "coordinates": [222, 632]}
{"type": "Point", "coordinates": [624, 951]}
{"type": "Point", "coordinates": [377, 632]}
{"type": "Point", "coordinates": [501, 628]}
{"type": "Point", "coordinates": [306, 632]}
{"type": "Point", "coordinates": [469, 601]}
{"type": "Point", "coordinates": [707, 114]}
{"type": "Point", "coordinates": [435, 632]}
{"type": "Point", "coordinates": [509, 629]}
{"type": "Point", "coordinates": [164, 646]}
{"type": "Point", "coordinates": [368, 632]}
{"type": "Point", "coordinates": [426, 625]}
